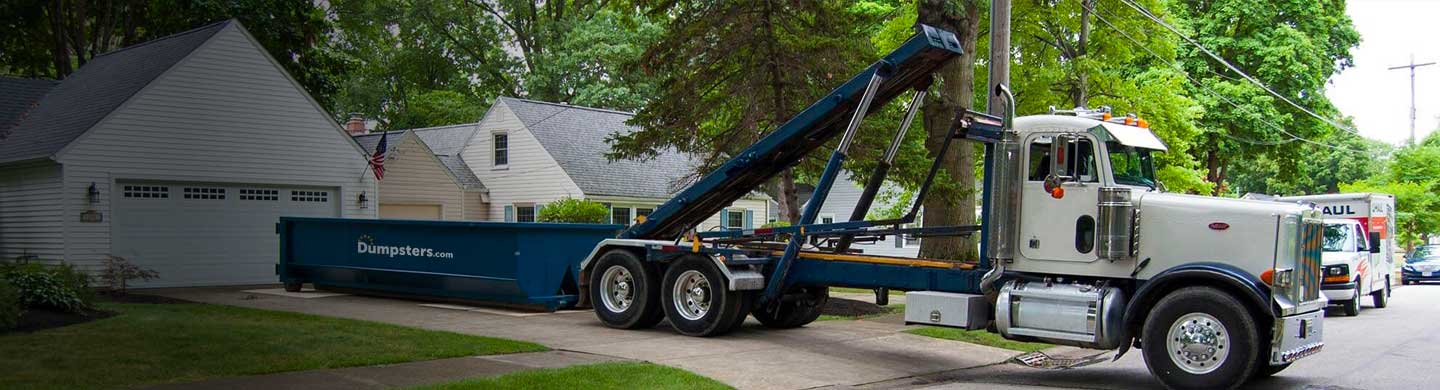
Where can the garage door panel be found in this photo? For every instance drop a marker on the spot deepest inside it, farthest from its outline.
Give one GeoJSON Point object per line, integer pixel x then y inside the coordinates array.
{"type": "Point", "coordinates": [206, 234]}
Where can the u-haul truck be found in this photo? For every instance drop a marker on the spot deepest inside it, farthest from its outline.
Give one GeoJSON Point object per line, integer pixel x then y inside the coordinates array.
{"type": "Point", "coordinates": [1359, 248]}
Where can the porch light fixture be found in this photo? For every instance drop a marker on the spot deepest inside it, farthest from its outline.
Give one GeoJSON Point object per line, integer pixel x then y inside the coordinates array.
{"type": "Point", "coordinates": [93, 194]}
{"type": "Point", "coordinates": [364, 200]}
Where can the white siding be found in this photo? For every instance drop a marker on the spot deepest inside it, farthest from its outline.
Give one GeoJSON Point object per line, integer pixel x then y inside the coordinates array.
{"type": "Point", "coordinates": [475, 207]}
{"type": "Point", "coordinates": [30, 213]}
{"type": "Point", "coordinates": [226, 114]}
{"type": "Point", "coordinates": [757, 211]}
{"type": "Point", "coordinates": [531, 176]}
{"type": "Point", "coordinates": [414, 177]}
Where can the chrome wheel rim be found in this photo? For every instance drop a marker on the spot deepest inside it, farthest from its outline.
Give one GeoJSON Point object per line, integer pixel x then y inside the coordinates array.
{"type": "Point", "coordinates": [1198, 343]}
{"type": "Point", "coordinates": [692, 295]}
{"type": "Point", "coordinates": [617, 289]}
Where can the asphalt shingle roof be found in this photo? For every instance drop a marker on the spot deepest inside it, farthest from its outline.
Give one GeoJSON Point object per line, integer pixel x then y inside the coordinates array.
{"type": "Point", "coordinates": [18, 96]}
{"type": "Point", "coordinates": [575, 137]}
{"type": "Point", "coordinates": [445, 141]}
{"type": "Point", "coordinates": [92, 92]}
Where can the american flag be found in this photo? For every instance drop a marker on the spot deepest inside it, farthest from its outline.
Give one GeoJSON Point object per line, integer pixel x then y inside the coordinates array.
{"type": "Point", "coordinates": [377, 160]}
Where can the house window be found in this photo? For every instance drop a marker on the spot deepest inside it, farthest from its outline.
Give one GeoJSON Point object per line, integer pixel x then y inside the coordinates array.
{"type": "Point", "coordinates": [259, 194]}
{"type": "Point", "coordinates": [207, 193]}
{"type": "Point", "coordinates": [502, 149]}
{"type": "Point", "coordinates": [735, 219]}
{"type": "Point", "coordinates": [827, 218]}
{"type": "Point", "coordinates": [620, 215]}
{"type": "Point", "coordinates": [643, 212]}
{"type": "Point", "coordinates": [525, 213]}
{"type": "Point", "coordinates": [310, 196]}
{"type": "Point", "coordinates": [150, 192]}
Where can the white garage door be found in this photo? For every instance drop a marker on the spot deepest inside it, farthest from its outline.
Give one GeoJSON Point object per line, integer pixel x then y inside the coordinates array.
{"type": "Point", "coordinates": [197, 234]}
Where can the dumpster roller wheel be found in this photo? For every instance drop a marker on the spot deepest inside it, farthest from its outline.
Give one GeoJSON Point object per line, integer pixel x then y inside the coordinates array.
{"type": "Point", "coordinates": [625, 291]}
{"type": "Point", "coordinates": [799, 308]}
{"type": "Point", "coordinates": [697, 300]}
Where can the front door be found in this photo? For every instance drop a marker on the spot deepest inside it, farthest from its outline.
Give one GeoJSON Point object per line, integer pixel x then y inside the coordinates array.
{"type": "Point", "coordinates": [1059, 225]}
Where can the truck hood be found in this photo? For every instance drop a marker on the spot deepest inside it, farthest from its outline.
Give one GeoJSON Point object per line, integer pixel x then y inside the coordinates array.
{"type": "Point", "coordinates": [1183, 229]}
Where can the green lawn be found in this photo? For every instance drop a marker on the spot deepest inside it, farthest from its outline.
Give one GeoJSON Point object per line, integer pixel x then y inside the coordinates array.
{"type": "Point", "coordinates": [981, 337]}
{"type": "Point", "coordinates": [590, 377]}
{"type": "Point", "coordinates": [149, 344]}
{"type": "Point", "coordinates": [861, 291]}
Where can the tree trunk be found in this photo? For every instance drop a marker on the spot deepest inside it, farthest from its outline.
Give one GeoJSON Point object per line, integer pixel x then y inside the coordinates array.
{"type": "Point", "coordinates": [788, 199]}
{"type": "Point", "coordinates": [59, 45]}
{"type": "Point", "coordinates": [1082, 79]}
{"type": "Point", "coordinates": [1212, 168]}
{"type": "Point", "coordinates": [956, 90]}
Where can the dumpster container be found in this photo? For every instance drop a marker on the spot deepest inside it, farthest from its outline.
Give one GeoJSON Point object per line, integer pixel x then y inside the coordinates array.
{"type": "Point", "coordinates": [530, 264]}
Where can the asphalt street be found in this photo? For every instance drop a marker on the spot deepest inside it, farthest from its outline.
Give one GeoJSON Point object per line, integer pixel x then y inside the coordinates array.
{"type": "Point", "coordinates": [1397, 347]}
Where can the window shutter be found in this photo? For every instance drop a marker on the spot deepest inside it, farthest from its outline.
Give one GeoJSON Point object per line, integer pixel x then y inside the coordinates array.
{"type": "Point", "coordinates": [509, 213]}
{"type": "Point", "coordinates": [749, 219]}
{"type": "Point", "coordinates": [725, 218]}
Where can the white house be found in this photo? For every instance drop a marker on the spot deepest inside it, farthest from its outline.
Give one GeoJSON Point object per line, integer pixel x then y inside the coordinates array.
{"type": "Point", "coordinates": [843, 197]}
{"type": "Point", "coordinates": [425, 177]}
{"type": "Point", "coordinates": [179, 154]}
{"type": "Point", "coordinates": [530, 153]}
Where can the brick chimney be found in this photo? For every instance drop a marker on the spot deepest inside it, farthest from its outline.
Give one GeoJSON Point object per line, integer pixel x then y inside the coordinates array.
{"type": "Point", "coordinates": [356, 125]}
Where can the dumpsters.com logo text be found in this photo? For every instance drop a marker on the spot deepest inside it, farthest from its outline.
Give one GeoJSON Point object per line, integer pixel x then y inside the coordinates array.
{"type": "Point", "coordinates": [366, 245]}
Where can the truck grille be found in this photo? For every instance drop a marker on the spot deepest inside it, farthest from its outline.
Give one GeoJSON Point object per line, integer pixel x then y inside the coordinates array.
{"type": "Point", "coordinates": [1307, 267]}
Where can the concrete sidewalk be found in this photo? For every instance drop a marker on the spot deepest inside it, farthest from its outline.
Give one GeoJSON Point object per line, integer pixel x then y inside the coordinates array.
{"type": "Point", "coordinates": [826, 353]}
{"type": "Point", "coordinates": [396, 375]}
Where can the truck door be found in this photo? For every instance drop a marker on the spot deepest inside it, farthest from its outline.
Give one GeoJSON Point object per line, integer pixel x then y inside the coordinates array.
{"type": "Point", "coordinates": [1059, 225]}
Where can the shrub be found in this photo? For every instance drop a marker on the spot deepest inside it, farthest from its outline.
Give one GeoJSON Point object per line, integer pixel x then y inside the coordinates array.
{"type": "Point", "coordinates": [119, 272]}
{"type": "Point", "coordinates": [10, 308]}
{"type": "Point", "coordinates": [574, 211]}
{"type": "Point", "coordinates": [60, 287]}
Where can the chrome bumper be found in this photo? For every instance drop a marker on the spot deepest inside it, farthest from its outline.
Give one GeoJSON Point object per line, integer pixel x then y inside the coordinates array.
{"type": "Point", "coordinates": [1297, 336]}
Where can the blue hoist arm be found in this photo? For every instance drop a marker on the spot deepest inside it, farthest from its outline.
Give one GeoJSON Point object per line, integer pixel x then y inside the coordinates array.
{"type": "Point", "coordinates": [908, 67]}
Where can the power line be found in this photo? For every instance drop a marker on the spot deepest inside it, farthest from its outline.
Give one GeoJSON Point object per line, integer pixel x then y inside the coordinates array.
{"type": "Point", "coordinates": [1217, 94]}
{"type": "Point", "coordinates": [1233, 68]}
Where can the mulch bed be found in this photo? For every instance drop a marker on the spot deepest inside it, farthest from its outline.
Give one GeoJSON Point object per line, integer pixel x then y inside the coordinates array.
{"type": "Point", "coordinates": [41, 319]}
{"type": "Point", "coordinates": [851, 308]}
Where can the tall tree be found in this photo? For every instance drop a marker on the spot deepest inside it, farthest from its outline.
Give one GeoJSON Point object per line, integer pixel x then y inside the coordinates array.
{"type": "Point", "coordinates": [1292, 47]}
{"type": "Point", "coordinates": [955, 90]}
{"type": "Point", "coordinates": [731, 72]}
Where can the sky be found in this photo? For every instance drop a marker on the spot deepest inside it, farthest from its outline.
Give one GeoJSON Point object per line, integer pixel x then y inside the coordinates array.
{"type": "Point", "coordinates": [1378, 98]}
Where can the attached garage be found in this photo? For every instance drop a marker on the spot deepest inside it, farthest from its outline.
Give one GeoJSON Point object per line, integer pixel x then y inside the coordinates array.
{"type": "Point", "coordinates": [206, 233]}
{"type": "Point", "coordinates": [178, 154]}
{"type": "Point", "coordinates": [411, 211]}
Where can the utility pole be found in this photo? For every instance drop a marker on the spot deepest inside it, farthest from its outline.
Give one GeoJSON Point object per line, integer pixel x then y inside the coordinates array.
{"type": "Point", "coordinates": [1411, 67]}
{"type": "Point", "coordinates": [999, 53]}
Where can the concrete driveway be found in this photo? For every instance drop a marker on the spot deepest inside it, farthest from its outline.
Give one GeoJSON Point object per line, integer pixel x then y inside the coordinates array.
{"type": "Point", "coordinates": [826, 353]}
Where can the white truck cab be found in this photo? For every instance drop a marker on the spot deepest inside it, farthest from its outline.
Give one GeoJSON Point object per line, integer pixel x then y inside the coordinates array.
{"type": "Point", "coordinates": [1359, 249]}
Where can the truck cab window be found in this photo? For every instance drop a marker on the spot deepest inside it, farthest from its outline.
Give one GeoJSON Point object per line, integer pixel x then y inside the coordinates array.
{"type": "Point", "coordinates": [1131, 166]}
{"type": "Point", "coordinates": [1360, 245]}
{"type": "Point", "coordinates": [1039, 159]}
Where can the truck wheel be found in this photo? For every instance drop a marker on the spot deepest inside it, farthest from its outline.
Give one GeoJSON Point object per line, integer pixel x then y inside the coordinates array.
{"type": "Point", "coordinates": [625, 291]}
{"type": "Point", "coordinates": [293, 286]}
{"type": "Point", "coordinates": [1382, 296]}
{"type": "Point", "coordinates": [1200, 338]}
{"type": "Point", "coordinates": [696, 300]}
{"type": "Point", "coordinates": [1351, 307]}
{"type": "Point", "coordinates": [796, 313]}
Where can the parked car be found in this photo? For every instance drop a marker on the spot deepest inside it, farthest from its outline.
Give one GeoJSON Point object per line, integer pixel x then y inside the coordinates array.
{"type": "Point", "coordinates": [1421, 265]}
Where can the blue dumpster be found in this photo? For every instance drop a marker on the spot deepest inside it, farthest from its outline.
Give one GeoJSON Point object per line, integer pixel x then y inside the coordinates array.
{"type": "Point", "coordinates": [531, 264]}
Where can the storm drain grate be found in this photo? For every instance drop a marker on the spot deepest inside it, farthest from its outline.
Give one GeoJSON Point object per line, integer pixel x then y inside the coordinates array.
{"type": "Point", "coordinates": [1041, 360]}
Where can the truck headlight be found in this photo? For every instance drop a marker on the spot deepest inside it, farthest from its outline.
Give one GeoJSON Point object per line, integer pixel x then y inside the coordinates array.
{"type": "Point", "coordinates": [1339, 273]}
{"type": "Point", "coordinates": [1407, 267]}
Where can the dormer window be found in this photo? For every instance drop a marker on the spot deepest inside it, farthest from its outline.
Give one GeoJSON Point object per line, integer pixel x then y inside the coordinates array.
{"type": "Point", "coordinates": [502, 149]}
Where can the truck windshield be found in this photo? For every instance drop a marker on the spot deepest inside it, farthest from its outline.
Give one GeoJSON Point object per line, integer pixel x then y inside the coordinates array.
{"type": "Point", "coordinates": [1132, 166]}
{"type": "Point", "coordinates": [1336, 239]}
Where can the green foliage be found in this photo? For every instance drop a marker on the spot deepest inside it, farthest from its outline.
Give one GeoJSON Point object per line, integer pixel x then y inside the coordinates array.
{"type": "Point", "coordinates": [57, 287]}
{"type": "Point", "coordinates": [1413, 176]}
{"type": "Point", "coordinates": [119, 272]}
{"type": "Point", "coordinates": [776, 224]}
{"type": "Point", "coordinates": [10, 306]}
{"type": "Point", "coordinates": [894, 203]}
{"type": "Point", "coordinates": [574, 210]}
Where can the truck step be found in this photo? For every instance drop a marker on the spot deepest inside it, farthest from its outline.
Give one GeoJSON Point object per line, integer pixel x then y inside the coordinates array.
{"type": "Point", "coordinates": [1041, 360]}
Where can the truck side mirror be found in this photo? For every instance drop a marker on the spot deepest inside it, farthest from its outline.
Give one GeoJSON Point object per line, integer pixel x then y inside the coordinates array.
{"type": "Point", "coordinates": [1375, 246]}
{"type": "Point", "coordinates": [1060, 148]}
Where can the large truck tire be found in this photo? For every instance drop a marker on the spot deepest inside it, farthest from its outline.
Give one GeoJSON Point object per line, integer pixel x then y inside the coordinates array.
{"type": "Point", "coordinates": [293, 287]}
{"type": "Point", "coordinates": [1200, 338]}
{"type": "Point", "coordinates": [795, 313]}
{"type": "Point", "coordinates": [1351, 307]}
{"type": "Point", "coordinates": [696, 299]}
{"type": "Point", "coordinates": [1382, 296]}
{"type": "Point", "coordinates": [625, 291]}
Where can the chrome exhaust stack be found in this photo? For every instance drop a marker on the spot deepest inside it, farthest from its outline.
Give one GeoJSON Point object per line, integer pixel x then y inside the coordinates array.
{"type": "Point", "coordinates": [1002, 216]}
